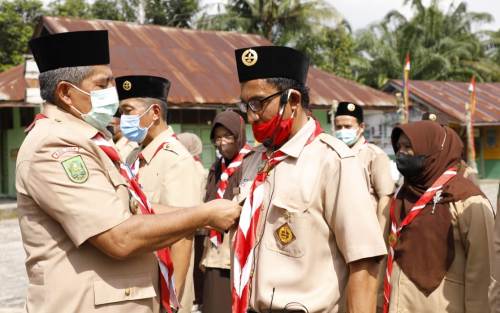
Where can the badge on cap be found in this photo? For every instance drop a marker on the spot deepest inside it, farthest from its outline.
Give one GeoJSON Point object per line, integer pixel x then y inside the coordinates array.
{"type": "Point", "coordinates": [285, 234]}
{"type": "Point", "coordinates": [351, 107]}
{"type": "Point", "coordinates": [249, 57]}
{"type": "Point", "coordinates": [432, 117]}
{"type": "Point", "coordinates": [75, 169]}
{"type": "Point", "coordinates": [127, 85]}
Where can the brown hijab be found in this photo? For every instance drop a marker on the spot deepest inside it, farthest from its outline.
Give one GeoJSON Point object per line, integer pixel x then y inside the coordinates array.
{"type": "Point", "coordinates": [236, 125]}
{"type": "Point", "coordinates": [425, 249]}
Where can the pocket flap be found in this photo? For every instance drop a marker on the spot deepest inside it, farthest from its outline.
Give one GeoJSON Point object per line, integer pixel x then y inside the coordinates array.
{"type": "Point", "coordinates": [116, 178]}
{"type": "Point", "coordinates": [117, 290]}
{"type": "Point", "coordinates": [289, 204]}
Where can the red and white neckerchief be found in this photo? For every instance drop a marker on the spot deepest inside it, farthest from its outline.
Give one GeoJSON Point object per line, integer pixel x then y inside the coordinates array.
{"type": "Point", "coordinates": [167, 290]}
{"type": "Point", "coordinates": [433, 193]}
{"type": "Point", "coordinates": [134, 167]}
{"type": "Point", "coordinates": [246, 232]}
{"type": "Point", "coordinates": [215, 236]}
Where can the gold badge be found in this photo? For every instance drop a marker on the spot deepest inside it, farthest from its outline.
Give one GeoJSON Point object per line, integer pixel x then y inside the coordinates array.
{"type": "Point", "coordinates": [249, 57]}
{"type": "Point", "coordinates": [392, 240]}
{"type": "Point", "coordinates": [127, 85]}
{"type": "Point", "coordinates": [75, 169]}
{"type": "Point", "coordinates": [351, 107]}
{"type": "Point", "coordinates": [432, 117]}
{"type": "Point", "coordinates": [285, 234]}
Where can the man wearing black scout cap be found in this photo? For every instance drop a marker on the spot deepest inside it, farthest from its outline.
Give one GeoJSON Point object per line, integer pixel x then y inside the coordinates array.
{"type": "Point", "coordinates": [86, 250]}
{"type": "Point", "coordinates": [307, 219]}
{"type": "Point", "coordinates": [349, 127]}
{"type": "Point", "coordinates": [166, 170]}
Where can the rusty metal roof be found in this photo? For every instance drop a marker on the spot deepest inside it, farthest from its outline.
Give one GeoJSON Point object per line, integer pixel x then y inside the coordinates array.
{"type": "Point", "coordinates": [450, 98]}
{"type": "Point", "coordinates": [200, 64]}
{"type": "Point", "coordinates": [12, 85]}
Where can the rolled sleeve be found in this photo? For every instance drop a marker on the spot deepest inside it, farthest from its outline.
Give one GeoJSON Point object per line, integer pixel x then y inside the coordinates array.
{"type": "Point", "coordinates": [383, 184]}
{"type": "Point", "coordinates": [82, 209]}
{"type": "Point", "coordinates": [352, 217]}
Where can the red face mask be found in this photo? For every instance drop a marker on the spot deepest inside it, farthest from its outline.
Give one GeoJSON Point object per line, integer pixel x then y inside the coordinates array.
{"type": "Point", "coordinates": [274, 132]}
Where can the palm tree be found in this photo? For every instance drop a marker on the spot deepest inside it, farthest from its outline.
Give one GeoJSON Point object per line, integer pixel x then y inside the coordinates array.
{"type": "Point", "coordinates": [442, 45]}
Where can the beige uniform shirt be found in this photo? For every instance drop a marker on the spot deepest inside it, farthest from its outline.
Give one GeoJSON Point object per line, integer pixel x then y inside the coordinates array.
{"type": "Point", "coordinates": [465, 286]}
{"type": "Point", "coordinates": [494, 292]}
{"type": "Point", "coordinates": [319, 191]}
{"type": "Point", "coordinates": [68, 190]}
{"type": "Point", "coordinates": [172, 178]}
{"type": "Point", "coordinates": [376, 162]}
{"type": "Point", "coordinates": [125, 147]}
{"type": "Point", "coordinates": [220, 257]}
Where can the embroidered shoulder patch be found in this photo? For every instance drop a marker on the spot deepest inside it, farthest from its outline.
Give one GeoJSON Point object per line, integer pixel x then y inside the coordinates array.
{"type": "Point", "coordinates": [75, 169]}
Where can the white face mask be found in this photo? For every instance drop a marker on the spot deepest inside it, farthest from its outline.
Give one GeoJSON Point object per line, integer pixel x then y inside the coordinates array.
{"type": "Point", "coordinates": [348, 136]}
{"type": "Point", "coordinates": [104, 105]}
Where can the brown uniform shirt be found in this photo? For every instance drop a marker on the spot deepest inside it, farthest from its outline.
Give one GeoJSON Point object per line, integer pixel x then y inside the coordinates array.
{"type": "Point", "coordinates": [171, 177]}
{"type": "Point", "coordinates": [320, 192]}
{"type": "Point", "coordinates": [376, 162]}
{"type": "Point", "coordinates": [68, 190]}
{"type": "Point", "coordinates": [465, 286]}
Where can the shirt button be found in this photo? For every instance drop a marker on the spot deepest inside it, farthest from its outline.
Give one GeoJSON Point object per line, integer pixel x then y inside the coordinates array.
{"type": "Point", "coordinates": [127, 292]}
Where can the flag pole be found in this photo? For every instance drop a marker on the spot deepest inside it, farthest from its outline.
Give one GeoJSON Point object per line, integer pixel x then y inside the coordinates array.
{"type": "Point", "coordinates": [406, 90]}
{"type": "Point", "coordinates": [470, 108]}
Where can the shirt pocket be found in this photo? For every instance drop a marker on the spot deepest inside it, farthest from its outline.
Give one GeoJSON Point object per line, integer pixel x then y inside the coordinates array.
{"type": "Point", "coordinates": [123, 289]}
{"type": "Point", "coordinates": [287, 225]}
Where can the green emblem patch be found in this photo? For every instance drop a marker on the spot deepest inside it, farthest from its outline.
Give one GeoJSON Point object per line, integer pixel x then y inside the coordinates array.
{"type": "Point", "coordinates": [76, 169]}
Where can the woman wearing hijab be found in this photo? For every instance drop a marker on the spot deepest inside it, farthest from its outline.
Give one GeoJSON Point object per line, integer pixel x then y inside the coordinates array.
{"type": "Point", "coordinates": [228, 136]}
{"type": "Point", "coordinates": [440, 227]}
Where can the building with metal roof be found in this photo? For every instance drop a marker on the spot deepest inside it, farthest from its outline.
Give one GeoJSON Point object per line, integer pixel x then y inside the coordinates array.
{"type": "Point", "coordinates": [199, 64]}
{"type": "Point", "coordinates": [448, 101]}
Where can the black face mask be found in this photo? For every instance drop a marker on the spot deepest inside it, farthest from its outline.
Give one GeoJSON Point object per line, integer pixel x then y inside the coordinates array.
{"type": "Point", "coordinates": [410, 165]}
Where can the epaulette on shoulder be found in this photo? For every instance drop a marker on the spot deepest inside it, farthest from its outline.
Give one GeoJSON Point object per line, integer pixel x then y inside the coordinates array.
{"type": "Point", "coordinates": [375, 148]}
{"type": "Point", "coordinates": [338, 146]}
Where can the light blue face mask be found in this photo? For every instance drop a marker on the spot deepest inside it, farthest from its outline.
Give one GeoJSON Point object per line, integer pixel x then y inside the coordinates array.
{"type": "Point", "coordinates": [348, 136]}
{"type": "Point", "coordinates": [130, 126]}
{"type": "Point", "coordinates": [104, 105]}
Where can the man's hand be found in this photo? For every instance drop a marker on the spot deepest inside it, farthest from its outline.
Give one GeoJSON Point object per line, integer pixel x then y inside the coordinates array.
{"type": "Point", "coordinates": [222, 213]}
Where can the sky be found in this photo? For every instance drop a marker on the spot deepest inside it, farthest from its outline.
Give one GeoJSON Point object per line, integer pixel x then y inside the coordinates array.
{"type": "Point", "coordinates": [361, 13]}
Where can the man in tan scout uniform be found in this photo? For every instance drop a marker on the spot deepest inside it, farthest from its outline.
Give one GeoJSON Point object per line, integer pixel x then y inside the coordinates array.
{"type": "Point", "coordinates": [317, 238]}
{"type": "Point", "coordinates": [167, 171]}
{"type": "Point", "coordinates": [86, 251]}
{"type": "Point", "coordinates": [349, 128]}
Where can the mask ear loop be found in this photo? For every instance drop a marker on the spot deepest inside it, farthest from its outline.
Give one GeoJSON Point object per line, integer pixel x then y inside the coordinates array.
{"type": "Point", "coordinates": [444, 140]}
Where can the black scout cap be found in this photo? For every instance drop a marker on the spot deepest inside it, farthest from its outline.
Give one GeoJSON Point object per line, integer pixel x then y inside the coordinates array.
{"type": "Point", "coordinates": [351, 109]}
{"type": "Point", "coordinates": [142, 86]}
{"type": "Point", "coordinates": [71, 49]}
{"type": "Point", "coordinates": [271, 62]}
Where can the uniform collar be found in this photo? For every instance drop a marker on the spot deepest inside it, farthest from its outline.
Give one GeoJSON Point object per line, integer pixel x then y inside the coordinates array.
{"type": "Point", "coordinates": [294, 146]}
{"type": "Point", "coordinates": [59, 115]}
{"type": "Point", "coordinates": [359, 144]}
{"type": "Point", "coordinates": [150, 150]}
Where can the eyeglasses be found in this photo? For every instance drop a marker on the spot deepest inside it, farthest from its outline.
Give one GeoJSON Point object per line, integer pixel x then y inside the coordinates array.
{"type": "Point", "coordinates": [257, 105]}
{"type": "Point", "coordinates": [224, 138]}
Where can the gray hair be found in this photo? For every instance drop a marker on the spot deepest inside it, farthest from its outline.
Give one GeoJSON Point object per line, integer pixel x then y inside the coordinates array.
{"type": "Point", "coordinates": [163, 105]}
{"type": "Point", "coordinates": [48, 80]}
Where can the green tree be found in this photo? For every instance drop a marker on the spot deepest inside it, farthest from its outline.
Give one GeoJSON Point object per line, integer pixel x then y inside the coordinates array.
{"type": "Point", "coordinates": [117, 10]}
{"type": "Point", "coordinates": [73, 8]}
{"type": "Point", "coordinates": [311, 26]}
{"type": "Point", "coordinates": [442, 46]}
{"type": "Point", "coordinates": [175, 13]}
{"type": "Point", "coordinates": [17, 20]}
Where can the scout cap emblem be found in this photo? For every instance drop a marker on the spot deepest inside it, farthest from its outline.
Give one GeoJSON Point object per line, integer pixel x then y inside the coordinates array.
{"type": "Point", "coordinates": [75, 169]}
{"type": "Point", "coordinates": [127, 85]}
{"type": "Point", "coordinates": [249, 57]}
{"type": "Point", "coordinates": [285, 234]}
{"type": "Point", "coordinates": [432, 117]}
{"type": "Point", "coordinates": [351, 107]}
